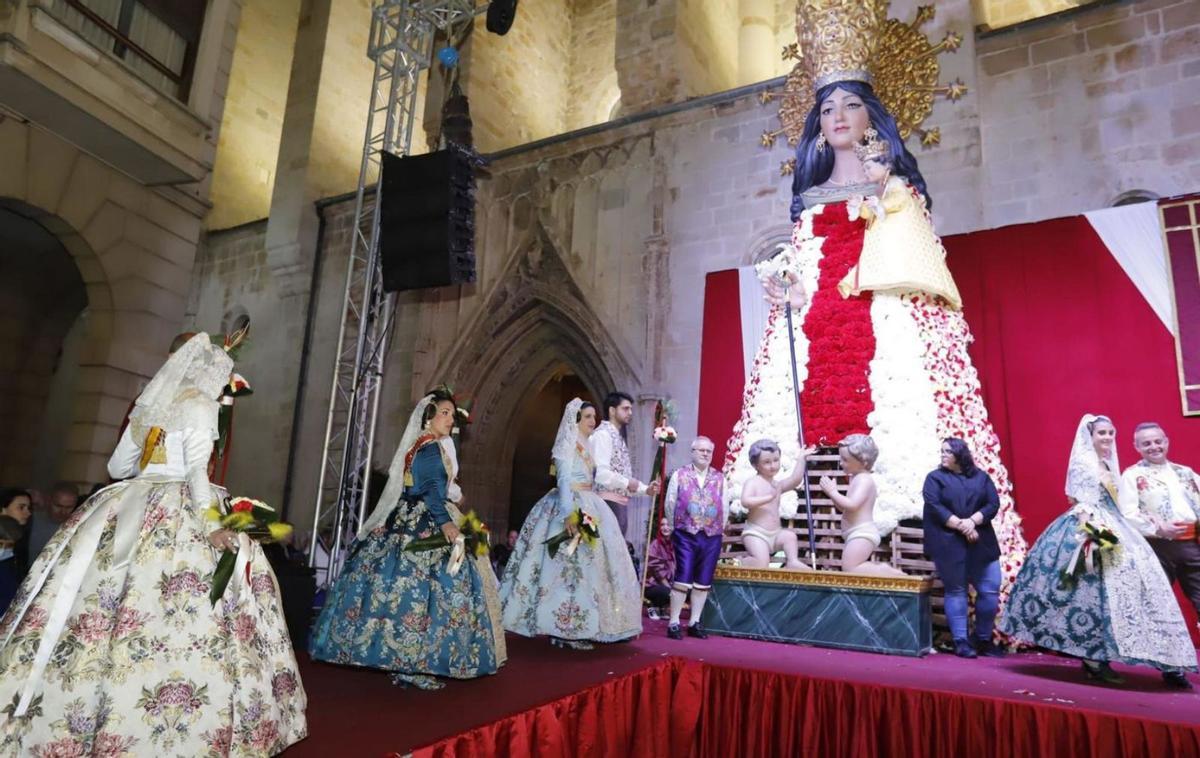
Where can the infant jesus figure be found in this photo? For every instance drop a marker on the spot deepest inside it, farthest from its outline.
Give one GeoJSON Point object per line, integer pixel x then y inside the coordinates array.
{"type": "Point", "coordinates": [858, 453]}
{"type": "Point", "coordinates": [764, 533]}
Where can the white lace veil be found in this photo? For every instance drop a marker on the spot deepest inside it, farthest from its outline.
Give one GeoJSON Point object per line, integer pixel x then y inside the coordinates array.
{"type": "Point", "coordinates": [395, 483]}
{"type": "Point", "coordinates": [184, 391]}
{"type": "Point", "coordinates": [1083, 470]}
{"type": "Point", "coordinates": [568, 432]}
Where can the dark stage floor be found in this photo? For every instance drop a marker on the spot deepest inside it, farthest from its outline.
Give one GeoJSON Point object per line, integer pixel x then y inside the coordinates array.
{"type": "Point", "coordinates": [355, 712]}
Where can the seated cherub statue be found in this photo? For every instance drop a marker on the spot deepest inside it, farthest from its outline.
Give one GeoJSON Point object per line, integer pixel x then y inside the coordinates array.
{"type": "Point", "coordinates": [764, 533]}
{"type": "Point", "coordinates": [858, 453]}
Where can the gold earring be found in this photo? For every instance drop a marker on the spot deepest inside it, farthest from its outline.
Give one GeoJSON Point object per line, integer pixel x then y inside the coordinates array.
{"type": "Point", "coordinates": [820, 142]}
{"type": "Point", "coordinates": [870, 135]}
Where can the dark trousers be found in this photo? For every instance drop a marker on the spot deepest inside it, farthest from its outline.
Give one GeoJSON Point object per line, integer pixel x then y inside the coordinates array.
{"type": "Point", "coordinates": [1181, 563]}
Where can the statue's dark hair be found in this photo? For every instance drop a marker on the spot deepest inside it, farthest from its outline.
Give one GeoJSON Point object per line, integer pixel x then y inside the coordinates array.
{"type": "Point", "coordinates": [813, 167]}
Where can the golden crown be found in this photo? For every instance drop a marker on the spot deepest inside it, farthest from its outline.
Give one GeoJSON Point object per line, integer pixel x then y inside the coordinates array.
{"type": "Point", "coordinates": [840, 40]}
{"type": "Point", "coordinates": [873, 147]}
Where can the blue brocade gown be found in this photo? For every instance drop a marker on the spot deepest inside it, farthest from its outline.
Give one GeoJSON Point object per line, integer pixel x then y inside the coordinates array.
{"type": "Point", "coordinates": [402, 611]}
{"type": "Point", "coordinates": [592, 594]}
{"type": "Point", "coordinates": [1122, 610]}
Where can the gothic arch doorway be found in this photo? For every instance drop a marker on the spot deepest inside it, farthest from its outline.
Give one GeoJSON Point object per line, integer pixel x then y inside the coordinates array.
{"type": "Point", "coordinates": [537, 424]}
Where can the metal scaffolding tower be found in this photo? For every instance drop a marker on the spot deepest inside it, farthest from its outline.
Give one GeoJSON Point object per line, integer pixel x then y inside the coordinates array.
{"type": "Point", "coordinates": [401, 45]}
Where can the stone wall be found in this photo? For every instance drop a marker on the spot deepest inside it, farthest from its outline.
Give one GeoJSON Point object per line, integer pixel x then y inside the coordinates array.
{"type": "Point", "coordinates": [250, 132]}
{"type": "Point", "coordinates": [1078, 111]}
{"type": "Point", "coordinates": [592, 94]}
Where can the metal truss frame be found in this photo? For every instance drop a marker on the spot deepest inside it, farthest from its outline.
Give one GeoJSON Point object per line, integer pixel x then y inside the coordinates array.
{"type": "Point", "coordinates": [401, 45]}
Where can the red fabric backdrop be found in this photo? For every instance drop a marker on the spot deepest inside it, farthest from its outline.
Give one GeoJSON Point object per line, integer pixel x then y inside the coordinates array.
{"type": "Point", "coordinates": [1060, 331]}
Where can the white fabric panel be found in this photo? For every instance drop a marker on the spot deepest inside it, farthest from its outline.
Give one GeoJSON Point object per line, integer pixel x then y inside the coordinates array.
{"type": "Point", "coordinates": [755, 311]}
{"type": "Point", "coordinates": [1133, 234]}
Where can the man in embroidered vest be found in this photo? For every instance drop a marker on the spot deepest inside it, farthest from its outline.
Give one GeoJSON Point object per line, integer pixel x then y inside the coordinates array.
{"type": "Point", "coordinates": [1162, 500]}
{"type": "Point", "coordinates": [695, 514]}
{"type": "Point", "coordinates": [614, 472]}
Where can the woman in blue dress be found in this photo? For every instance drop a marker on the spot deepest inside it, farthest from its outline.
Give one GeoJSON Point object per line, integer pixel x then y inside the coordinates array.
{"type": "Point", "coordinates": [586, 593]}
{"type": "Point", "coordinates": [1121, 607]}
{"type": "Point", "coordinates": [415, 614]}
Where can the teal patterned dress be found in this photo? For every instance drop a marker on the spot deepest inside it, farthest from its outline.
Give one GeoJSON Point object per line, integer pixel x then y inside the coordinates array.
{"type": "Point", "coordinates": [1122, 610]}
{"type": "Point", "coordinates": [404, 612]}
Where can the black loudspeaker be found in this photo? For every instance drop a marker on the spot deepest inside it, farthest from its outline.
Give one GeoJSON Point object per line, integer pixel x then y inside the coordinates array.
{"type": "Point", "coordinates": [500, 16]}
{"type": "Point", "coordinates": [427, 220]}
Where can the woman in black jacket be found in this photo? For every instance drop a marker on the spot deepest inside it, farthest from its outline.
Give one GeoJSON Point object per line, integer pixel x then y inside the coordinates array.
{"type": "Point", "coordinates": [960, 503]}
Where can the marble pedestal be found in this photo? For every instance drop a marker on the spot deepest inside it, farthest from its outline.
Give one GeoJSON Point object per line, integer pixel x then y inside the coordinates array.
{"type": "Point", "coordinates": [829, 609]}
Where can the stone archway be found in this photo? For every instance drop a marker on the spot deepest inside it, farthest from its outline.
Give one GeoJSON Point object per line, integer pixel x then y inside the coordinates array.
{"type": "Point", "coordinates": [133, 248]}
{"type": "Point", "coordinates": [534, 322]}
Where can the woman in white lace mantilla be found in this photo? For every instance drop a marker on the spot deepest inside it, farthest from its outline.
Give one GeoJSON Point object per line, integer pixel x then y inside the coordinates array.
{"type": "Point", "coordinates": [581, 593]}
{"type": "Point", "coordinates": [112, 645]}
{"type": "Point", "coordinates": [1101, 604]}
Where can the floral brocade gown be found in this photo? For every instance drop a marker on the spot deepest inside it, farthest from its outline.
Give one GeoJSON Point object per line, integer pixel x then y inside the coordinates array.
{"type": "Point", "coordinates": [403, 612]}
{"type": "Point", "coordinates": [113, 648]}
{"type": "Point", "coordinates": [590, 595]}
{"type": "Point", "coordinates": [1123, 610]}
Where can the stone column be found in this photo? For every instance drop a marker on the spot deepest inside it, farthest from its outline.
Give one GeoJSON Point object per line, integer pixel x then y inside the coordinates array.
{"type": "Point", "coordinates": [756, 40]}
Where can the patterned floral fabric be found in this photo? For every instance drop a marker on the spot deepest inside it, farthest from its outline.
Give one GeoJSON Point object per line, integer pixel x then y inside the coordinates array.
{"type": "Point", "coordinates": [144, 665]}
{"type": "Point", "coordinates": [402, 611]}
{"type": "Point", "coordinates": [590, 595]}
{"type": "Point", "coordinates": [1124, 610]}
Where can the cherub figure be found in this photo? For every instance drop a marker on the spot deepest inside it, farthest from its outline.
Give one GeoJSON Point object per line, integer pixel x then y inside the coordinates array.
{"type": "Point", "coordinates": [858, 453]}
{"type": "Point", "coordinates": [764, 533]}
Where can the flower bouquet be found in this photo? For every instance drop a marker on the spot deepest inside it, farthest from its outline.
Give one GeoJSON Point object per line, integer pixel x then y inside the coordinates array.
{"type": "Point", "coordinates": [474, 537]}
{"type": "Point", "coordinates": [587, 530]}
{"type": "Point", "coordinates": [1096, 540]}
{"type": "Point", "coordinates": [253, 518]}
{"type": "Point", "coordinates": [665, 435]}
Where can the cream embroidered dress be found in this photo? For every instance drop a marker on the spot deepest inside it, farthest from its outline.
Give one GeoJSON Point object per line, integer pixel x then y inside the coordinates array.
{"type": "Point", "coordinates": [112, 647]}
{"type": "Point", "coordinates": [1122, 609]}
{"type": "Point", "coordinates": [591, 594]}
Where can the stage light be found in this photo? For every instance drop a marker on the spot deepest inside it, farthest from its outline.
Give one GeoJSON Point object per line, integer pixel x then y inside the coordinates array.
{"type": "Point", "coordinates": [500, 16]}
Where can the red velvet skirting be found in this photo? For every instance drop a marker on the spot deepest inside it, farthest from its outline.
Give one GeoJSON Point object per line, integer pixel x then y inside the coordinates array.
{"type": "Point", "coordinates": [689, 708]}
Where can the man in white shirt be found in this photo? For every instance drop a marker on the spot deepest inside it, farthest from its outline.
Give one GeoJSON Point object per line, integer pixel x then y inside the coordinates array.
{"type": "Point", "coordinates": [614, 471]}
{"type": "Point", "coordinates": [1162, 500]}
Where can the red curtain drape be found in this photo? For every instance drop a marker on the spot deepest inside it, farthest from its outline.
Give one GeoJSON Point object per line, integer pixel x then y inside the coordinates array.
{"type": "Point", "coordinates": [722, 372]}
{"type": "Point", "coordinates": [1060, 331]}
{"type": "Point", "coordinates": [690, 708]}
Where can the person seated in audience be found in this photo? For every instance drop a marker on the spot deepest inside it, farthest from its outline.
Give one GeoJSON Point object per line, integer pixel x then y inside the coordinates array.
{"type": "Point", "coordinates": [660, 572]}
{"type": "Point", "coordinates": [14, 515]}
{"type": "Point", "coordinates": [63, 501]}
{"type": "Point", "coordinates": [764, 533]}
{"type": "Point", "coordinates": [858, 453]}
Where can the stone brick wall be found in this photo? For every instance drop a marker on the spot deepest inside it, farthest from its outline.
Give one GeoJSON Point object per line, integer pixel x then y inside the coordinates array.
{"type": "Point", "coordinates": [592, 92]}
{"type": "Point", "coordinates": [706, 34]}
{"type": "Point", "coordinates": [1078, 111]}
{"type": "Point", "coordinates": [253, 120]}
{"type": "Point", "coordinates": [518, 83]}
{"type": "Point", "coordinates": [995, 14]}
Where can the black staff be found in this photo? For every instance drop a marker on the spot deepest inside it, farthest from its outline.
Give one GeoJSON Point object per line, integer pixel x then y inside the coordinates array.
{"type": "Point", "coordinates": [808, 511]}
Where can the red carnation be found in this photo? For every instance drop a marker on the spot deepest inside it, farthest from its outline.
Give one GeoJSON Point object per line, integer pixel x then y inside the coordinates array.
{"type": "Point", "coordinates": [242, 505]}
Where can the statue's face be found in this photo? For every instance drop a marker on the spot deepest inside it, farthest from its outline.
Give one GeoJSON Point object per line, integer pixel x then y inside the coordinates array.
{"type": "Point", "coordinates": [844, 119]}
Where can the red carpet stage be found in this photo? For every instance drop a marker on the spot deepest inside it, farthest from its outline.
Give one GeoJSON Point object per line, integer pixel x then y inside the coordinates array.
{"type": "Point", "coordinates": [727, 697]}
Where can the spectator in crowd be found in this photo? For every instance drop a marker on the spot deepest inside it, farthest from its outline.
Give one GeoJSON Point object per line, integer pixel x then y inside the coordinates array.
{"type": "Point", "coordinates": [63, 500]}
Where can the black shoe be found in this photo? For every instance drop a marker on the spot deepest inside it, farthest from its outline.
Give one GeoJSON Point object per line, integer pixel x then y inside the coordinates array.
{"type": "Point", "coordinates": [963, 649]}
{"type": "Point", "coordinates": [1100, 671]}
{"type": "Point", "coordinates": [697, 631]}
{"type": "Point", "coordinates": [1176, 680]}
{"type": "Point", "coordinates": [989, 649]}
{"type": "Point", "coordinates": [674, 632]}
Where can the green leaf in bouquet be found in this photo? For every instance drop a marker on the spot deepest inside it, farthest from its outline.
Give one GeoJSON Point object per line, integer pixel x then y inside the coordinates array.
{"type": "Point", "coordinates": [222, 575]}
